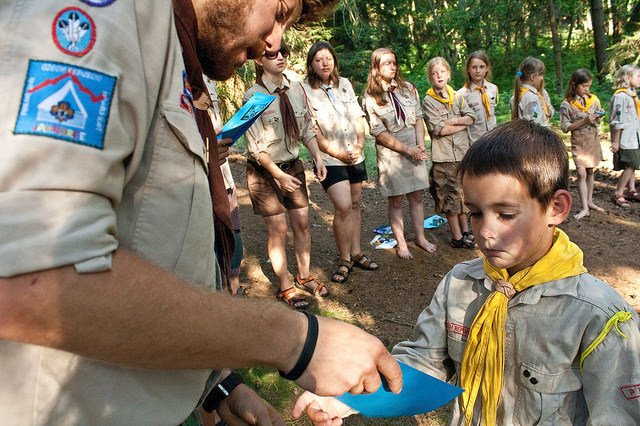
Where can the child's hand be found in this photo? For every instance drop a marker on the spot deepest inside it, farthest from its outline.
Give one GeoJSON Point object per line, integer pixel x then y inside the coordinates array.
{"type": "Point", "coordinates": [322, 411]}
{"type": "Point", "coordinates": [287, 182]}
{"type": "Point", "coordinates": [615, 146]}
{"type": "Point", "coordinates": [418, 153]}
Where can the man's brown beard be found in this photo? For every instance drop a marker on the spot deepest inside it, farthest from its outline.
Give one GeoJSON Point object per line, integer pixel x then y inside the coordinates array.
{"type": "Point", "coordinates": [219, 24]}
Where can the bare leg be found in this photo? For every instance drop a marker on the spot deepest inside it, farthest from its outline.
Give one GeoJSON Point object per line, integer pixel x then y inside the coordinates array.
{"type": "Point", "coordinates": [416, 211]}
{"type": "Point", "coordinates": [583, 192]}
{"type": "Point", "coordinates": [277, 240]}
{"type": "Point", "coordinates": [301, 239]}
{"type": "Point", "coordinates": [397, 226]}
{"type": "Point", "coordinates": [454, 226]}
{"type": "Point", "coordinates": [590, 182]}
{"type": "Point", "coordinates": [463, 220]}
{"type": "Point", "coordinates": [624, 181]}
{"type": "Point", "coordinates": [343, 220]}
{"type": "Point", "coordinates": [356, 229]}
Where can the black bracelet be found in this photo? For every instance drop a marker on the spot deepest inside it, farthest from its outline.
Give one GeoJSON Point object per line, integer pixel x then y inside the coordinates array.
{"type": "Point", "coordinates": [307, 351]}
{"type": "Point", "coordinates": [221, 391]}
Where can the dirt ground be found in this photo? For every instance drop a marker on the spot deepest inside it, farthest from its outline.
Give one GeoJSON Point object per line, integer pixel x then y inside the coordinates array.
{"type": "Point", "coordinates": [387, 302]}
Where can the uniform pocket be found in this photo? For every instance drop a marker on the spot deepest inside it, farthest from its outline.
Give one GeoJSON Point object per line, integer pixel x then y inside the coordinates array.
{"type": "Point", "coordinates": [546, 398]}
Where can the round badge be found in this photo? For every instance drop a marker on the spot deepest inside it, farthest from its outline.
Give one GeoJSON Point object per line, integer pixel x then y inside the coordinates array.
{"type": "Point", "coordinates": [73, 31]}
{"type": "Point", "coordinates": [98, 3]}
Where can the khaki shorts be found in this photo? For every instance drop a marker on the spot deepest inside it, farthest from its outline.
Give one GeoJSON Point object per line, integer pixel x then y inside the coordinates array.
{"type": "Point", "coordinates": [267, 198]}
{"type": "Point", "coordinates": [446, 189]}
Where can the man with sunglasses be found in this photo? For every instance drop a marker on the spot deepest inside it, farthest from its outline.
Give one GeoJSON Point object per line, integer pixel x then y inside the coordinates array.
{"type": "Point", "coordinates": [106, 222]}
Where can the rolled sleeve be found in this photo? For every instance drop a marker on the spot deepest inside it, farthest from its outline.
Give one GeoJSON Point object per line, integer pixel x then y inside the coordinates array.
{"type": "Point", "coordinates": [376, 125]}
{"type": "Point", "coordinates": [433, 118]}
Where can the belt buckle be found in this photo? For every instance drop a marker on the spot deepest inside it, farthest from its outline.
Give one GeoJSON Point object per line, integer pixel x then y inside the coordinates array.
{"type": "Point", "coordinates": [285, 166]}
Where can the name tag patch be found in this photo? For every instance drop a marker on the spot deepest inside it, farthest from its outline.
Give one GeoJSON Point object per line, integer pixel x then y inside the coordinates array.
{"type": "Point", "coordinates": [66, 102]}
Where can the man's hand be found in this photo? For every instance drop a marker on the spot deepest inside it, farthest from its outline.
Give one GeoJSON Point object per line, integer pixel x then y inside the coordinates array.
{"type": "Point", "coordinates": [243, 406]}
{"type": "Point", "coordinates": [321, 410]}
{"type": "Point", "coordinates": [287, 182]}
{"type": "Point", "coordinates": [223, 150]}
{"type": "Point", "coordinates": [347, 359]}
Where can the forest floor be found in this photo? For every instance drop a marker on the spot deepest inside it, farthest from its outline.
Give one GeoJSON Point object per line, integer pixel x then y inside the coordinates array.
{"type": "Point", "coordinates": [387, 302]}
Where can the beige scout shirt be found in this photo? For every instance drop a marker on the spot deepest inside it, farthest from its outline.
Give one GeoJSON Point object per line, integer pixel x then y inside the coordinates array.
{"type": "Point", "coordinates": [473, 98]}
{"type": "Point", "coordinates": [624, 118]}
{"type": "Point", "coordinates": [267, 133]}
{"type": "Point", "coordinates": [585, 135]}
{"type": "Point", "coordinates": [530, 107]}
{"type": "Point", "coordinates": [338, 127]}
{"type": "Point", "coordinates": [99, 150]}
{"type": "Point", "coordinates": [450, 148]}
{"type": "Point", "coordinates": [383, 118]}
{"type": "Point", "coordinates": [548, 327]}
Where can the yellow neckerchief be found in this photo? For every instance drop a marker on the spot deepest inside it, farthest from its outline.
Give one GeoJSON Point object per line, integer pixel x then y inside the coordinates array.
{"type": "Point", "coordinates": [587, 104]}
{"type": "Point", "coordinates": [437, 97]}
{"type": "Point", "coordinates": [524, 90]}
{"type": "Point", "coordinates": [631, 93]}
{"type": "Point", "coordinates": [485, 97]}
{"type": "Point", "coordinates": [483, 361]}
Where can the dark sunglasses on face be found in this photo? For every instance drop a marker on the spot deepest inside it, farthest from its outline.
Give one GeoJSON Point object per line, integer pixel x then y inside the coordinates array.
{"type": "Point", "coordinates": [273, 55]}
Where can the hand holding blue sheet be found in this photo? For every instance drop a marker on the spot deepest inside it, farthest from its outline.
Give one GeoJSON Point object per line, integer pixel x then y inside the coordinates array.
{"type": "Point", "coordinates": [420, 393]}
{"type": "Point", "coordinates": [245, 117]}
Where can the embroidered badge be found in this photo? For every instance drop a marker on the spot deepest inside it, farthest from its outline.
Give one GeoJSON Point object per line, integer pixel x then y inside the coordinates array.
{"type": "Point", "coordinates": [73, 31]}
{"type": "Point", "coordinates": [98, 3]}
{"type": "Point", "coordinates": [631, 392]}
{"type": "Point", "coordinates": [186, 98]}
{"type": "Point", "coordinates": [66, 102]}
{"type": "Point", "coordinates": [458, 329]}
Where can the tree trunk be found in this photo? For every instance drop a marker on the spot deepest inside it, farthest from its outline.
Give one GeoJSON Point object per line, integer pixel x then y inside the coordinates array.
{"type": "Point", "coordinates": [557, 45]}
{"type": "Point", "coordinates": [599, 37]}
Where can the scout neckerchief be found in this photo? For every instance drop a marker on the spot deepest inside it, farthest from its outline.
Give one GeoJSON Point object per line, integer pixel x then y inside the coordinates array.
{"type": "Point", "coordinates": [437, 97]}
{"type": "Point", "coordinates": [588, 102]}
{"type": "Point", "coordinates": [485, 97]}
{"type": "Point", "coordinates": [524, 90]}
{"type": "Point", "coordinates": [631, 93]}
{"type": "Point", "coordinates": [397, 106]}
{"type": "Point", "coordinates": [483, 361]}
{"type": "Point", "coordinates": [289, 121]}
{"type": "Point", "coordinates": [337, 103]}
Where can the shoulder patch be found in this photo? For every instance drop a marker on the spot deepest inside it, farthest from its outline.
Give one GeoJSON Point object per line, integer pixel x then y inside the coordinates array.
{"type": "Point", "coordinates": [98, 3]}
{"type": "Point", "coordinates": [73, 31]}
{"type": "Point", "coordinates": [65, 102]}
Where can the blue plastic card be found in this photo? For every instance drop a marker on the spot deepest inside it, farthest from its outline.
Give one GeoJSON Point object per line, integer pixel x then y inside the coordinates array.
{"type": "Point", "coordinates": [421, 393]}
{"type": "Point", "coordinates": [246, 116]}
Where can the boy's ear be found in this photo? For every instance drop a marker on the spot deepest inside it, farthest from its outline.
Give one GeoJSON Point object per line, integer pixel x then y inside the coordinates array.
{"type": "Point", "coordinates": [560, 207]}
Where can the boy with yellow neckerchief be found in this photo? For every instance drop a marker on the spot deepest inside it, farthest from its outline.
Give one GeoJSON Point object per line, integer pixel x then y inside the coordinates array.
{"type": "Point", "coordinates": [525, 330]}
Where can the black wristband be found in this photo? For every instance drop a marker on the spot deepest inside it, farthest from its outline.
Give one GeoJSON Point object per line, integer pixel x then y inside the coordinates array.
{"type": "Point", "coordinates": [307, 350]}
{"type": "Point", "coordinates": [221, 391]}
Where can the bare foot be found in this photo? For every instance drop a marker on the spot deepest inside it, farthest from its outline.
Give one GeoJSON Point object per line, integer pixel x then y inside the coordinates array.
{"type": "Point", "coordinates": [581, 214]}
{"type": "Point", "coordinates": [426, 246]}
{"type": "Point", "coordinates": [403, 252]}
{"type": "Point", "coordinates": [596, 208]}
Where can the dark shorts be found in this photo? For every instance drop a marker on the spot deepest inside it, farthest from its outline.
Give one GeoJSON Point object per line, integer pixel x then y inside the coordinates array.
{"type": "Point", "coordinates": [354, 174]}
{"type": "Point", "coordinates": [626, 158]}
{"type": "Point", "coordinates": [267, 198]}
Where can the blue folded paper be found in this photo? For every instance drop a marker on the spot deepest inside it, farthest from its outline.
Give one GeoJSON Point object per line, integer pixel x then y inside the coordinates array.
{"type": "Point", "coordinates": [421, 393]}
{"type": "Point", "coordinates": [245, 117]}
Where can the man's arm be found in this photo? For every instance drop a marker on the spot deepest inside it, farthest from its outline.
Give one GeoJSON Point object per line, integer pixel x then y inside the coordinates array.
{"type": "Point", "coordinates": [138, 315]}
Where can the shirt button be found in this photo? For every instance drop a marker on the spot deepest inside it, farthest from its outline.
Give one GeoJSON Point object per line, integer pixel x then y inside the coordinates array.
{"type": "Point", "coordinates": [533, 381]}
{"type": "Point", "coordinates": [526, 373]}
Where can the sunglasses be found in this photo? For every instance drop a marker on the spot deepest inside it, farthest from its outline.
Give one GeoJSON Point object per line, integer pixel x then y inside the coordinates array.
{"type": "Point", "coordinates": [273, 55]}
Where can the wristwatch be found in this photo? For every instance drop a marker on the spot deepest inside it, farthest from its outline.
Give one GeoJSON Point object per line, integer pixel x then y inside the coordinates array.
{"type": "Point", "coordinates": [221, 391]}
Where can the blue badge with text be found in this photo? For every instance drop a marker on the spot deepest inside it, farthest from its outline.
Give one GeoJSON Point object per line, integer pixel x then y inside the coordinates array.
{"type": "Point", "coordinates": [66, 102]}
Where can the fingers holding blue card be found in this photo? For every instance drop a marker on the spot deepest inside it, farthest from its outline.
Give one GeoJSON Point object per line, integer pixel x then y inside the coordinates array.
{"type": "Point", "coordinates": [245, 117]}
{"type": "Point", "coordinates": [420, 393]}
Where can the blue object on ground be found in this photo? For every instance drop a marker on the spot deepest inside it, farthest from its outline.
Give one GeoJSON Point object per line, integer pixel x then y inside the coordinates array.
{"type": "Point", "coordinates": [434, 221]}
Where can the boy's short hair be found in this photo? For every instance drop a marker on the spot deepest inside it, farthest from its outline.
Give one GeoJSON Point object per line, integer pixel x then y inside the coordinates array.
{"type": "Point", "coordinates": [534, 155]}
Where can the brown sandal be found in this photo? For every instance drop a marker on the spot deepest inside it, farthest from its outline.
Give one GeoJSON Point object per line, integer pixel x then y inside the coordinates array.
{"type": "Point", "coordinates": [319, 289]}
{"type": "Point", "coordinates": [290, 298]}
{"type": "Point", "coordinates": [620, 201]}
{"type": "Point", "coordinates": [341, 274]}
{"type": "Point", "coordinates": [363, 262]}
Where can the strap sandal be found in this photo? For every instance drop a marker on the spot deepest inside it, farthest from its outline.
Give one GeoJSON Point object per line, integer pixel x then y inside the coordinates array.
{"type": "Point", "coordinates": [632, 196]}
{"type": "Point", "coordinates": [462, 243]}
{"type": "Point", "coordinates": [619, 200]}
{"type": "Point", "coordinates": [469, 238]}
{"type": "Point", "coordinates": [317, 290]}
{"type": "Point", "coordinates": [363, 262]}
{"type": "Point", "coordinates": [341, 274]}
{"type": "Point", "coordinates": [291, 299]}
